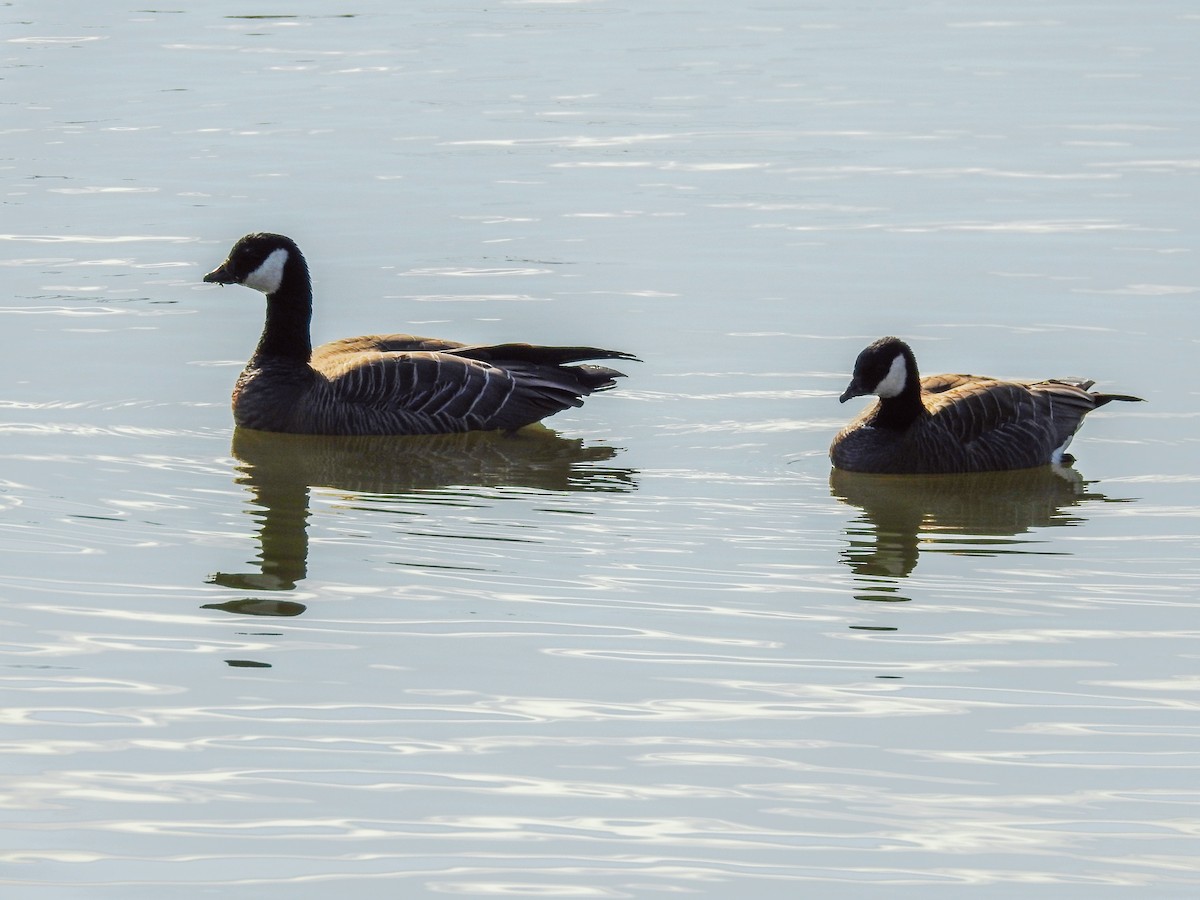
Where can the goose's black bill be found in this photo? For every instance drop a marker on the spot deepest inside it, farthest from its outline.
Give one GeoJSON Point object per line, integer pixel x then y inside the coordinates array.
{"type": "Point", "coordinates": [220, 275]}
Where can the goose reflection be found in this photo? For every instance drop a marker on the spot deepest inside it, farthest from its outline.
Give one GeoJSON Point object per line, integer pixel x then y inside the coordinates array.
{"type": "Point", "coordinates": [279, 470]}
{"type": "Point", "coordinates": [903, 515]}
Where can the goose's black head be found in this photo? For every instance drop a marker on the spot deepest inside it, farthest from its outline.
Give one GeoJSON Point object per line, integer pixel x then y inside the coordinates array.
{"type": "Point", "coordinates": [885, 369]}
{"type": "Point", "coordinates": [259, 261]}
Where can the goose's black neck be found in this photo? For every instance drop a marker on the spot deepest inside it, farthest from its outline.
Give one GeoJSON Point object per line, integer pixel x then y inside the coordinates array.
{"type": "Point", "coordinates": [900, 411]}
{"type": "Point", "coordinates": [289, 316]}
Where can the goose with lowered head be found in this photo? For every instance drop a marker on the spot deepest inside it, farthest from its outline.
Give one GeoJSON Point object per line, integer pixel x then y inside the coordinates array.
{"type": "Point", "coordinates": [956, 423]}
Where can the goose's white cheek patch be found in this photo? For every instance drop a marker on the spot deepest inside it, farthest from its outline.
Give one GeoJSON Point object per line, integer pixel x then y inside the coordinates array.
{"type": "Point", "coordinates": [893, 382]}
{"type": "Point", "coordinates": [269, 275]}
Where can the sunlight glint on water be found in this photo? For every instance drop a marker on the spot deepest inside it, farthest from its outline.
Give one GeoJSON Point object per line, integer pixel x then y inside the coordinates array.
{"type": "Point", "coordinates": [657, 649]}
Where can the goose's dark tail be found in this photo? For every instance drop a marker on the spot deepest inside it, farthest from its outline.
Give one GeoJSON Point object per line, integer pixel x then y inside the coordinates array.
{"type": "Point", "coordinates": [1101, 399]}
{"type": "Point", "coordinates": [539, 356]}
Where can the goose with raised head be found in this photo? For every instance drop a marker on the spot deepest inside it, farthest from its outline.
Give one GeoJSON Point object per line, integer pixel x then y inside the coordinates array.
{"type": "Point", "coordinates": [392, 384]}
{"type": "Point", "coordinates": [956, 423]}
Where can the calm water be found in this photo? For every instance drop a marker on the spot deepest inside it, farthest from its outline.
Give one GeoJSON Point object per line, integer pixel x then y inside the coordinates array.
{"type": "Point", "coordinates": [656, 650]}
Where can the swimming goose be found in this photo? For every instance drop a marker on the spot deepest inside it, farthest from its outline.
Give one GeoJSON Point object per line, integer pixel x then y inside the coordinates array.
{"type": "Point", "coordinates": [955, 423]}
{"type": "Point", "coordinates": [390, 384]}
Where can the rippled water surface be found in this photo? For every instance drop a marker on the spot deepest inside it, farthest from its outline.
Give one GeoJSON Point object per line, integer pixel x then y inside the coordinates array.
{"type": "Point", "coordinates": [654, 649]}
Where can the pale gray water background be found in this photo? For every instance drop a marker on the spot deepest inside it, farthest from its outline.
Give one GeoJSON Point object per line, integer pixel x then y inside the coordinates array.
{"type": "Point", "coordinates": [650, 656]}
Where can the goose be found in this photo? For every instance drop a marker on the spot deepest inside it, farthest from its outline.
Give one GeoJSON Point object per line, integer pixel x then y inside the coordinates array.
{"type": "Point", "coordinates": [956, 423]}
{"type": "Point", "coordinates": [393, 384]}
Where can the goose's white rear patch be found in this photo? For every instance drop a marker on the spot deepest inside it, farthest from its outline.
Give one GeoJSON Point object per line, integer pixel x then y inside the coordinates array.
{"type": "Point", "coordinates": [1057, 456]}
{"type": "Point", "coordinates": [269, 275]}
{"type": "Point", "coordinates": [893, 382]}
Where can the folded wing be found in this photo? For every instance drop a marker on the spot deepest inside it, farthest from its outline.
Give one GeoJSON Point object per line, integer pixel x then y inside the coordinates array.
{"type": "Point", "coordinates": [1005, 423]}
{"type": "Point", "coordinates": [405, 384]}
